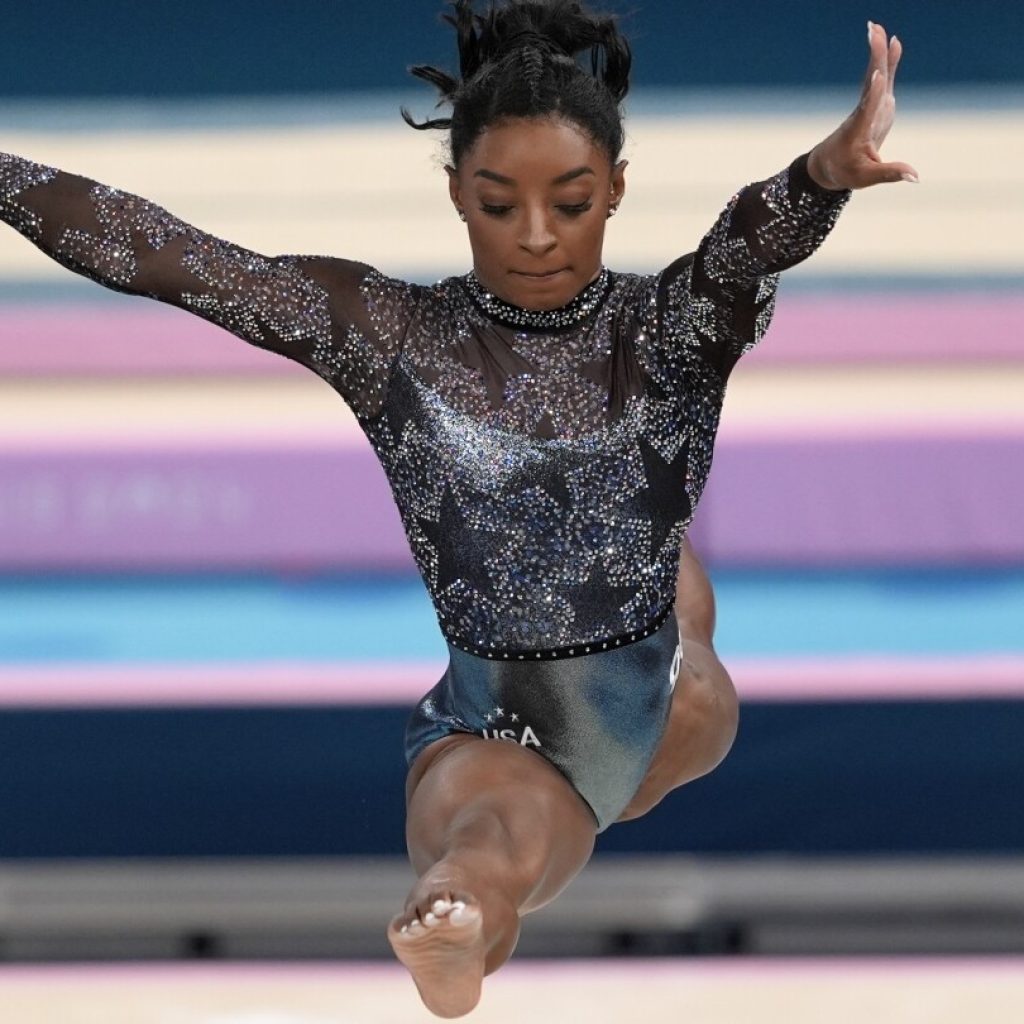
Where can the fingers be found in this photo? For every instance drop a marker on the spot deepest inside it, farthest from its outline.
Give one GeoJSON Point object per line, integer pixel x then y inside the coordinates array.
{"type": "Point", "coordinates": [895, 52]}
{"type": "Point", "coordinates": [878, 47]}
{"type": "Point", "coordinates": [885, 55]}
{"type": "Point", "coordinates": [871, 58]}
{"type": "Point", "coordinates": [871, 101]}
{"type": "Point", "coordinates": [855, 144]}
{"type": "Point", "coordinates": [898, 172]}
{"type": "Point", "coordinates": [884, 174]}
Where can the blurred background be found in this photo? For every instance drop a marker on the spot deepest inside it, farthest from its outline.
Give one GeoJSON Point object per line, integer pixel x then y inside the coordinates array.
{"type": "Point", "coordinates": [211, 630]}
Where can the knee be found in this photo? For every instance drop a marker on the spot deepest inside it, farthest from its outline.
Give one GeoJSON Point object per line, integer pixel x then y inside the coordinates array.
{"type": "Point", "coordinates": [712, 707]}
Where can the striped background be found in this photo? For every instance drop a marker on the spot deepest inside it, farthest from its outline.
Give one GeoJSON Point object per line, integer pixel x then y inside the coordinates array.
{"type": "Point", "coordinates": [187, 523]}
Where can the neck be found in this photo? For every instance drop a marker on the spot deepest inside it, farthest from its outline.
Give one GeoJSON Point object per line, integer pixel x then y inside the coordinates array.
{"type": "Point", "coordinates": [579, 308]}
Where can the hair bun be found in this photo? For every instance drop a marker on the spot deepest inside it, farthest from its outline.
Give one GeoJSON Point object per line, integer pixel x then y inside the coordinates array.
{"type": "Point", "coordinates": [521, 58]}
{"type": "Point", "coordinates": [530, 37]}
{"type": "Point", "coordinates": [560, 27]}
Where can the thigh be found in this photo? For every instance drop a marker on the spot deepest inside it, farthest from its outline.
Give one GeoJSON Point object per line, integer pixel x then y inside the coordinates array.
{"type": "Point", "coordinates": [701, 728]}
{"type": "Point", "coordinates": [531, 804]}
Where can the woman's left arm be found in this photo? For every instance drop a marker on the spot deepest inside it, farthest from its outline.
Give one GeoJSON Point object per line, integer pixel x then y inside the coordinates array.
{"type": "Point", "coordinates": [770, 226]}
{"type": "Point", "coordinates": [773, 225]}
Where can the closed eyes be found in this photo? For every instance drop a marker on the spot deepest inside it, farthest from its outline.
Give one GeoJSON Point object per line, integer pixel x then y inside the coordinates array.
{"type": "Point", "coordinates": [573, 210]}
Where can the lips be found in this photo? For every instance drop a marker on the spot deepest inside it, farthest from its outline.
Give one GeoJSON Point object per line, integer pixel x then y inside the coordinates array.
{"type": "Point", "coordinates": [540, 275]}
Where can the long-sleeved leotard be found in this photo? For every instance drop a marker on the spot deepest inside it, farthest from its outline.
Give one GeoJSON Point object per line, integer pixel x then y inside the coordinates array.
{"type": "Point", "coordinates": [546, 464]}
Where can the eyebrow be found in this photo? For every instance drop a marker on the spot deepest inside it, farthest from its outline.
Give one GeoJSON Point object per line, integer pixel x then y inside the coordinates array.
{"type": "Point", "coordinates": [576, 172]}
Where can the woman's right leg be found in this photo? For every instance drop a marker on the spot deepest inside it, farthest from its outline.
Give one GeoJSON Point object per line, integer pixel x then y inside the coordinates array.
{"type": "Point", "coordinates": [494, 831]}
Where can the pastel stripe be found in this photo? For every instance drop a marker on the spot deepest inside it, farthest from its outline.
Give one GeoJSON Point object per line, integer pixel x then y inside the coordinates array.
{"type": "Point", "coordinates": [393, 211]}
{"type": "Point", "coordinates": [402, 683]}
{"type": "Point", "coordinates": [632, 971]}
{"type": "Point", "coordinates": [941, 498]}
{"type": "Point", "coordinates": [119, 339]}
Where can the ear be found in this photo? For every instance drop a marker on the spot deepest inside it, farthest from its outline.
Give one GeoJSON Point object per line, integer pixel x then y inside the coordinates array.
{"type": "Point", "coordinates": [453, 186]}
{"type": "Point", "coordinates": [618, 181]}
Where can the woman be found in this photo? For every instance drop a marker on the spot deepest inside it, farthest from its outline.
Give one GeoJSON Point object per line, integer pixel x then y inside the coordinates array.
{"type": "Point", "coordinates": [546, 426]}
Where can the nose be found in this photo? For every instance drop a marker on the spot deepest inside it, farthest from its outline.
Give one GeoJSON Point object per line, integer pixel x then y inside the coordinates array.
{"type": "Point", "coordinates": [537, 236]}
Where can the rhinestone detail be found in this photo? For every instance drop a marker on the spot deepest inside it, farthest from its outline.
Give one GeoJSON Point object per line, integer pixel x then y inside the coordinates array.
{"type": "Point", "coordinates": [565, 316]}
{"type": "Point", "coordinates": [551, 653]}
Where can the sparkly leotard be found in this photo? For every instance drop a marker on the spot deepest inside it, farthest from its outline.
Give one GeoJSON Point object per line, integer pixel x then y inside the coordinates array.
{"type": "Point", "coordinates": [545, 464]}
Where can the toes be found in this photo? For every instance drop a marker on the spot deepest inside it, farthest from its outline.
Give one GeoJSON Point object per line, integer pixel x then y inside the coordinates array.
{"type": "Point", "coordinates": [461, 914]}
{"type": "Point", "coordinates": [420, 918]}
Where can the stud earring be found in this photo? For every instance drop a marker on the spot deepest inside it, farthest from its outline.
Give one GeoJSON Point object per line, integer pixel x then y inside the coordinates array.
{"type": "Point", "coordinates": [612, 210]}
{"type": "Point", "coordinates": [462, 215]}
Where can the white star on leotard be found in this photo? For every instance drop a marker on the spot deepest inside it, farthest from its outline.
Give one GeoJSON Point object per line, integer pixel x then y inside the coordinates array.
{"type": "Point", "coordinates": [514, 717]}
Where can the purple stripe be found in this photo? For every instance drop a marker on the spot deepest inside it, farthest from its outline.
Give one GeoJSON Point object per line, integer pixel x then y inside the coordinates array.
{"type": "Point", "coordinates": [154, 338]}
{"type": "Point", "coordinates": [295, 508]}
{"type": "Point", "coordinates": [838, 500]}
{"type": "Point", "coordinates": [894, 500]}
{"type": "Point", "coordinates": [403, 683]}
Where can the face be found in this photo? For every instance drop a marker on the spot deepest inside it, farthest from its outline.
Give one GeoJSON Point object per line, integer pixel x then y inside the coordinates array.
{"type": "Point", "coordinates": [536, 194]}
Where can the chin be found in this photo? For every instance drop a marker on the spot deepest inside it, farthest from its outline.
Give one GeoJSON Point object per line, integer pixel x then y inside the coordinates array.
{"type": "Point", "coordinates": [546, 294]}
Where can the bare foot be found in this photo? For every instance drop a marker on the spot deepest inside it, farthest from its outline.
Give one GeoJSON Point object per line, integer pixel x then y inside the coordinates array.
{"type": "Point", "coordinates": [440, 940]}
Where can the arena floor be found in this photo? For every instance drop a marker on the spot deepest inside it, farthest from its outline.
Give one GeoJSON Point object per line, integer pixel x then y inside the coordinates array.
{"type": "Point", "coordinates": [896, 991]}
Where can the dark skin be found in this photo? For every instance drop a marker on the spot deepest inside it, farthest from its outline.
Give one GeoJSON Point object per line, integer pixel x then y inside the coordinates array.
{"type": "Point", "coordinates": [536, 195]}
{"type": "Point", "coordinates": [494, 831]}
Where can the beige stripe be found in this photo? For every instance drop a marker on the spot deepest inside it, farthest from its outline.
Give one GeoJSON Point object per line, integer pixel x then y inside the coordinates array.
{"type": "Point", "coordinates": [378, 193]}
{"type": "Point", "coordinates": [705, 992]}
{"type": "Point", "coordinates": [278, 411]}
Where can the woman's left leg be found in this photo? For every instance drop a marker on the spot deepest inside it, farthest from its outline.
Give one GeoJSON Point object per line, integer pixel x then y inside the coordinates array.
{"type": "Point", "coordinates": [704, 715]}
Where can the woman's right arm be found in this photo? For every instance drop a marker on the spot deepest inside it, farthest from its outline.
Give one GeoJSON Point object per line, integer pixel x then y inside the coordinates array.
{"type": "Point", "coordinates": [341, 319]}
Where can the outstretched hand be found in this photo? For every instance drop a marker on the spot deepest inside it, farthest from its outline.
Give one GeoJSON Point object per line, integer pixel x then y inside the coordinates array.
{"type": "Point", "coordinates": [849, 157]}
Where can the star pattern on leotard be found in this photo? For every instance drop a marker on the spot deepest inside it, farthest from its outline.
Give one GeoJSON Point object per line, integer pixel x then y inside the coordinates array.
{"type": "Point", "coordinates": [434, 524]}
{"type": "Point", "coordinates": [667, 485]}
{"type": "Point", "coordinates": [545, 480]}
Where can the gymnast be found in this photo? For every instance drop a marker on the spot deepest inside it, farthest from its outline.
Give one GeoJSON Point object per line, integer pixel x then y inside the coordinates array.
{"type": "Point", "coordinates": [546, 426]}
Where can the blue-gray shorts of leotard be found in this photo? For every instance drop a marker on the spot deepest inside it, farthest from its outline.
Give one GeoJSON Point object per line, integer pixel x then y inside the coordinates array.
{"type": "Point", "coordinates": [598, 717]}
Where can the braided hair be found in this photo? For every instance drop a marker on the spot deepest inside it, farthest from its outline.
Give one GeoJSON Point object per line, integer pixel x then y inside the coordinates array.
{"type": "Point", "coordinates": [519, 59]}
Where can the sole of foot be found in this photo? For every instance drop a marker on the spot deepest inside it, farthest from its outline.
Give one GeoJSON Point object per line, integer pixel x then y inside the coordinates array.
{"type": "Point", "coordinates": [443, 950]}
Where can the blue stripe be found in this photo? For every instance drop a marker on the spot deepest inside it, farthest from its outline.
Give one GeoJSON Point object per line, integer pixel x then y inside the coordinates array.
{"type": "Point", "coordinates": [248, 618]}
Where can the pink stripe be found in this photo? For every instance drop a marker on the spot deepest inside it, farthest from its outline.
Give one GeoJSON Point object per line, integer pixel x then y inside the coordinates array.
{"type": "Point", "coordinates": [731, 968]}
{"type": "Point", "coordinates": [147, 339]}
{"type": "Point", "coordinates": [154, 338]}
{"type": "Point", "coordinates": [281, 683]}
{"type": "Point", "coordinates": [355, 684]}
{"type": "Point", "coordinates": [894, 328]}
{"type": "Point", "coordinates": [951, 678]}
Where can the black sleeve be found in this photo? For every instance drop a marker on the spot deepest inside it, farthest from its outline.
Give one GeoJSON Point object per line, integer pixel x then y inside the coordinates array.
{"type": "Point", "coordinates": [727, 288]}
{"type": "Point", "coordinates": [341, 319]}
